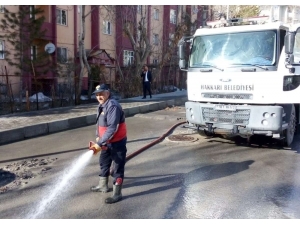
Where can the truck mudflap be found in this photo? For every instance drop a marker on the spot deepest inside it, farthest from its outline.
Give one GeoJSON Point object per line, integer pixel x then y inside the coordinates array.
{"type": "Point", "coordinates": [235, 119]}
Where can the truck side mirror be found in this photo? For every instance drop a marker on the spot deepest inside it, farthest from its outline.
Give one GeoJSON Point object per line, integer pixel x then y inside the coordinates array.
{"type": "Point", "coordinates": [182, 64]}
{"type": "Point", "coordinates": [181, 54]}
{"type": "Point", "coordinates": [289, 41]}
{"type": "Point", "coordinates": [181, 51]}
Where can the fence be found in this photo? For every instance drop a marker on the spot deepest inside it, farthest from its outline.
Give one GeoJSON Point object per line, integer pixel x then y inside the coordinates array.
{"type": "Point", "coordinates": [52, 97]}
{"type": "Point", "coordinates": [63, 94]}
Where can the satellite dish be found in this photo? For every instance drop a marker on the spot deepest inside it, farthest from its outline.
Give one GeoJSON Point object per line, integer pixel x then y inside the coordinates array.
{"type": "Point", "coordinates": [49, 48]}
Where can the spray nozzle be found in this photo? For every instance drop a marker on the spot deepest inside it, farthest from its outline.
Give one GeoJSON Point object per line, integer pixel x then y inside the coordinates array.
{"type": "Point", "coordinates": [91, 143]}
{"type": "Point", "coordinates": [94, 147]}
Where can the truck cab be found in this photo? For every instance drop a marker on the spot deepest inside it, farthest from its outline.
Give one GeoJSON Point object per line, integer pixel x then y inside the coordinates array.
{"type": "Point", "coordinates": [243, 78]}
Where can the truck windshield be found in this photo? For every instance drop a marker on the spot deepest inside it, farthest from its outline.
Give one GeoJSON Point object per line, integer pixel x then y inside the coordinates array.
{"type": "Point", "coordinates": [234, 49]}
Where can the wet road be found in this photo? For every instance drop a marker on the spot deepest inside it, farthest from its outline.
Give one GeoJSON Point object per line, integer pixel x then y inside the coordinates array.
{"type": "Point", "coordinates": [206, 179]}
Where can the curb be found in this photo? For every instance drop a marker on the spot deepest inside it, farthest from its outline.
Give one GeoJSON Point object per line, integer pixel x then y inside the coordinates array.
{"type": "Point", "coordinates": [19, 134]}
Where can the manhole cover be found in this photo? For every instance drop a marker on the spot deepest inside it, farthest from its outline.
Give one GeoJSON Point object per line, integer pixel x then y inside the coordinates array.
{"type": "Point", "coordinates": [181, 137]}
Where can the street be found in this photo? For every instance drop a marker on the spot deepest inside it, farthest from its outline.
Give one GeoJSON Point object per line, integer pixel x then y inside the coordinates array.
{"type": "Point", "coordinates": [207, 178]}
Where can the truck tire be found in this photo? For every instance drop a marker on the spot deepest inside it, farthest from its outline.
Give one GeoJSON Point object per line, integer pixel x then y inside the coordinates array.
{"type": "Point", "coordinates": [204, 133]}
{"type": "Point", "coordinates": [289, 133]}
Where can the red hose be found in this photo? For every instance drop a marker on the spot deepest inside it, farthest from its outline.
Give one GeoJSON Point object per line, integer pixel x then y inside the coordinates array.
{"type": "Point", "coordinates": [152, 143]}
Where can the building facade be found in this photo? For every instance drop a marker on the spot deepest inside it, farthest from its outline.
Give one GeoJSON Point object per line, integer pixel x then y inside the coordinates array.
{"type": "Point", "coordinates": [107, 46]}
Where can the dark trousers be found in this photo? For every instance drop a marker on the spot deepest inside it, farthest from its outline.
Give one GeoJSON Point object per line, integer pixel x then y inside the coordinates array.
{"type": "Point", "coordinates": [116, 153]}
{"type": "Point", "coordinates": [146, 87]}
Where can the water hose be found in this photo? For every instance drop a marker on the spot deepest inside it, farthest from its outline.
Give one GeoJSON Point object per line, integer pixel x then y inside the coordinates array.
{"type": "Point", "coordinates": [152, 143]}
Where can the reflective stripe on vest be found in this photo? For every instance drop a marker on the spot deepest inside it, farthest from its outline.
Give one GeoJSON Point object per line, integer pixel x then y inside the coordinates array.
{"type": "Point", "coordinates": [119, 135]}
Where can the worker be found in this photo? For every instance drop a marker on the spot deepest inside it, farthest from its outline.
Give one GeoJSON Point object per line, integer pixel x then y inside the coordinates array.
{"type": "Point", "coordinates": [111, 139]}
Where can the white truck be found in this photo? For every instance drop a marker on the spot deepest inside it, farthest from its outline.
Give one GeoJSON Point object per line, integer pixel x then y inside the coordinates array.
{"type": "Point", "coordinates": [243, 78]}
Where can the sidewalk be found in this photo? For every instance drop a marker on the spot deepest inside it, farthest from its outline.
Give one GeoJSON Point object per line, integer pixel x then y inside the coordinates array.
{"type": "Point", "coordinates": [20, 126]}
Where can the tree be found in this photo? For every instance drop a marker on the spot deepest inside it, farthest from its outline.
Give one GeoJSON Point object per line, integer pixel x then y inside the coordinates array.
{"type": "Point", "coordinates": [83, 55]}
{"type": "Point", "coordinates": [23, 30]}
{"type": "Point", "coordinates": [245, 11]}
{"type": "Point", "coordinates": [237, 11]}
{"type": "Point", "coordinates": [140, 38]}
{"type": "Point", "coordinates": [169, 54]}
{"type": "Point", "coordinates": [66, 73]}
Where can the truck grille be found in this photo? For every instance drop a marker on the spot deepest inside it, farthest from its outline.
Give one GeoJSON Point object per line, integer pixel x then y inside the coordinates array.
{"type": "Point", "coordinates": [240, 116]}
{"type": "Point", "coordinates": [227, 96]}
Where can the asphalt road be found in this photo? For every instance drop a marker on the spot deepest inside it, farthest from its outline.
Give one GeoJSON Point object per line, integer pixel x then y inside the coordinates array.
{"type": "Point", "coordinates": [209, 178]}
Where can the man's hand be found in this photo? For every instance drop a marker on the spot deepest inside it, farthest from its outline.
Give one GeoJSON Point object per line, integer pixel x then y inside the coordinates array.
{"type": "Point", "coordinates": [103, 147]}
{"type": "Point", "coordinates": [97, 139]}
{"type": "Point", "coordinates": [95, 147]}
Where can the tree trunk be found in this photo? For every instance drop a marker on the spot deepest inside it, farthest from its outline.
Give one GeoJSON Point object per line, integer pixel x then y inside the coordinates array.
{"type": "Point", "coordinates": [84, 53]}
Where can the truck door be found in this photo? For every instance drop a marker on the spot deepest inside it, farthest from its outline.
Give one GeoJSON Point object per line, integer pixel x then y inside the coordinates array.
{"type": "Point", "coordinates": [291, 79]}
{"type": "Point", "coordinates": [297, 52]}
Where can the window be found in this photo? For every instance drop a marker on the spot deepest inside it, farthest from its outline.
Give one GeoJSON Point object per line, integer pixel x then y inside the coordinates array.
{"type": "Point", "coordinates": [139, 9]}
{"type": "Point", "coordinates": [156, 14]}
{"type": "Point", "coordinates": [155, 62]}
{"type": "Point", "coordinates": [62, 55]}
{"type": "Point", "coordinates": [171, 37]}
{"type": "Point", "coordinates": [253, 47]}
{"type": "Point", "coordinates": [33, 52]}
{"type": "Point", "coordinates": [106, 27]}
{"type": "Point", "coordinates": [296, 48]}
{"type": "Point", "coordinates": [61, 16]}
{"type": "Point", "coordinates": [128, 58]}
{"type": "Point", "coordinates": [31, 12]}
{"type": "Point", "coordinates": [2, 7]}
{"type": "Point", "coordinates": [155, 39]}
{"type": "Point", "coordinates": [1, 49]}
{"type": "Point", "coordinates": [173, 16]}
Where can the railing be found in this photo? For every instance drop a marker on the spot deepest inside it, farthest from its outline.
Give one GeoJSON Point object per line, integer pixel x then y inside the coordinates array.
{"type": "Point", "coordinates": [63, 94]}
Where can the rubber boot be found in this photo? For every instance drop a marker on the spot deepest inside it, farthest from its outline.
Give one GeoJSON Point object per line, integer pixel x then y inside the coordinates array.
{"type": "Point", "coordinates": [117, 194]}
{"type": "Point", "coordinates": [102, 187]}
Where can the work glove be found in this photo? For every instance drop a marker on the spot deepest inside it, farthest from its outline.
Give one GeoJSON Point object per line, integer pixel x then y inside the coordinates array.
{"type": "Point", "coordinates": [95, 147]}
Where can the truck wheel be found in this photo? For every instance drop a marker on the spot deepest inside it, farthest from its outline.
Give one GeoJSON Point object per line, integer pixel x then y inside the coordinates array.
{"type": "Point", "coordinates": [288, 134]}
{"type": "Point", "coordinates": [204, 133]}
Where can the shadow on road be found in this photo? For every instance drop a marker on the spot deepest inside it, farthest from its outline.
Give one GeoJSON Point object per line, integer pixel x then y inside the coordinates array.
{"type": "Point", "coordinates": [183, 181]}
{"type": "Point", "coordinates": [259, 141]}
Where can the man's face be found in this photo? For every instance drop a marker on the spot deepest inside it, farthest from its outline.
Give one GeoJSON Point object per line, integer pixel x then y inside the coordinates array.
{"type": "Point", "coordinates": [145, 68]}
{"type": "Point", "coordinates": [102, 96]}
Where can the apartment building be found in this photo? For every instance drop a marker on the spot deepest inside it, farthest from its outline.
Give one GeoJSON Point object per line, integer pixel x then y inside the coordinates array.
{"type": "Point", "coordinates": [106, 43]}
